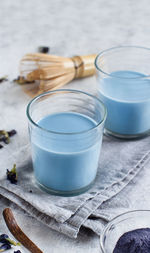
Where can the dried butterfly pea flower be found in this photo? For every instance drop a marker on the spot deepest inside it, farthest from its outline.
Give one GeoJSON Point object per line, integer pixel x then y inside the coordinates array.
{"type": "Point", "coordinates": [43, 49]}
{"type": "Point", "coordinates": [4, 136]}
{"type": "Point", "coordinates": [7, 242]}
{"type": "Point", "coordinates": [5, 247]}
{"type": "Point", "coordinates": [3, 236]}
{"type": "Point", "coordinates": [12, 132]}
{"type": "Point", "coordinates": [18, 251]}
{"type": "Point", "coordinates": [4, 78]}
{"type": "Point", "coordinates": [5, 239]}
{"type": "Point", "coordinates": [12, 175]}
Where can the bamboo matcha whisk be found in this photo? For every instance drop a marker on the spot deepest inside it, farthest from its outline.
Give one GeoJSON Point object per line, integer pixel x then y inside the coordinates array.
{"type": "Point", "coordinates": [52, 72]}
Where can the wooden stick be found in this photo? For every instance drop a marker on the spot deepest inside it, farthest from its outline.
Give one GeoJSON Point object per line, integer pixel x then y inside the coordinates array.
{"type": "Point", "coordinates": [18, 233]}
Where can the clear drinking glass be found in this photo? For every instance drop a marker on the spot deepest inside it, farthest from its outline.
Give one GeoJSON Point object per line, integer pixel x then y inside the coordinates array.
{"type": "Point", "coordinates": [65, 163]}
{"type": "Point", "coordinates": [123, 78]}
{"type": "Point", "coordinates": [121, 224]}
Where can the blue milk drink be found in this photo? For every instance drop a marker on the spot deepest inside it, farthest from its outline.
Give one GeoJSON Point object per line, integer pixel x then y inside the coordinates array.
{"type": "Point", "coordinates": [66, 129]}
{"type": "Point", "coordinates": [65, 162]}
{"type": "Point", "coordinates": [126, 95]}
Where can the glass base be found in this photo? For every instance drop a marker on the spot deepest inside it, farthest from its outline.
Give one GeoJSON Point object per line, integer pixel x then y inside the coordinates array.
{"type": "Point", "coordinates": [126, 136]}
{"type": "Point", "coordinates": [65, 193]}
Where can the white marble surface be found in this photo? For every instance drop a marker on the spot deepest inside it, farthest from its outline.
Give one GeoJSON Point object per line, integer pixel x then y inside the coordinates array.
{"type": "Point", "coordinates": [69, 28]}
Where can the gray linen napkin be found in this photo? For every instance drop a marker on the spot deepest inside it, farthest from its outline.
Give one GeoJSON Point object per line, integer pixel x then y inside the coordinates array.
{"type": "Point", "coordinates": [133, 197]}
{"type": "Point", "coordinates": [120, 162]}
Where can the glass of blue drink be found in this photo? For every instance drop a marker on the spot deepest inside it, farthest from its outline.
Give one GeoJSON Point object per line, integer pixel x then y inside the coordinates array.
{"type": "Point", "coordinates": [123, 76]}
{"type": "Point", "coordinates": [66, 129]}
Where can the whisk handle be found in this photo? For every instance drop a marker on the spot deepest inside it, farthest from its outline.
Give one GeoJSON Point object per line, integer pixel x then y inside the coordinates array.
{"type": "Point", "coordinates": [84, 65]}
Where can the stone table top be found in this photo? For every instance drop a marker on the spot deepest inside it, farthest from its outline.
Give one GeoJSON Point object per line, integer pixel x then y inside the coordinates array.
{"type": "Point", "coordinates": [69, 28]}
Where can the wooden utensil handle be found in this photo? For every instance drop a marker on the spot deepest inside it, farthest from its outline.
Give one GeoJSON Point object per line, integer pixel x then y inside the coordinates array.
{"type": "Point", "coordinates": [18, 233]}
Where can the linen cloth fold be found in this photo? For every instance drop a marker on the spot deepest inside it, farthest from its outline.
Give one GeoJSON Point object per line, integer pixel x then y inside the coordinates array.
{"type": "Point", "coordinates": [120, 163]}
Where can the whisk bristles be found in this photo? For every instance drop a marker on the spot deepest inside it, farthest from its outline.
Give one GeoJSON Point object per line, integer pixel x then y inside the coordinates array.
{"type": "Point", "coordinates": [52, 72]}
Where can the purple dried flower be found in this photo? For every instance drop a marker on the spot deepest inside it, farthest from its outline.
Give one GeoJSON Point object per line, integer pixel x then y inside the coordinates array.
{"type": "Point", "coordinates": [3, 236]}
{"type": "Point", "coordinates": [4, 78]}
{"type": "Point", "coordinates": [43, 49]}
{"type": "Point", "coordinates": [12, 175]}
{"type": "Point", "coordinates": [6, 240]}
{"type": "Point", "coordinates": [4, 136]}
{"type": "Point", "coordinates": [4, 247]}
{"type": "Point", "coordinates": [12, 133]}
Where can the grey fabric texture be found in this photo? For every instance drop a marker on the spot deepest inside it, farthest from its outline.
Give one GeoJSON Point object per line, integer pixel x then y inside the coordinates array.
{"type": "Point", "coordinates": [117, 184]}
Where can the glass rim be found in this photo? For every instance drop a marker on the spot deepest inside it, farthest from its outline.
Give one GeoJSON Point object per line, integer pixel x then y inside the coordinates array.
{"type": "Point", "coordinates": [113, 49]}
{"type": "Point", "coordinates": [111, 222]}
{"type": "Point", "coordinates": [64, 90]}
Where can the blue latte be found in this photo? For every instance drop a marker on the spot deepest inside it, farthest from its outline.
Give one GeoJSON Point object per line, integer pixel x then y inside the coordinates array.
{"type": "Point", "coordinates": [65, 162]}
{"type": "Point", "coordinates": [126, 95]}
